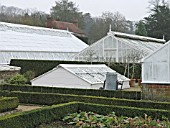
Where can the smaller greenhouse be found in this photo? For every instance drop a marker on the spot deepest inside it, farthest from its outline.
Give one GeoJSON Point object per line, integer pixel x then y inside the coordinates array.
{"type": "Point", "coordinates": [78, 76]}
{"type": "Point", "coordinates": [120, 47]}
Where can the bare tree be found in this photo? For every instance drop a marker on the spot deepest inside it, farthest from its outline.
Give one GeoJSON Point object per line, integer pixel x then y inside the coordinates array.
{"type": "Point", "coordinates": [100, 26]}
{"type": "Point", "coordinates": [133, 57]}
{"type": "Point", "coordinates": [90, 55]}
{"type": "Point", "coordinates": [117, 20]}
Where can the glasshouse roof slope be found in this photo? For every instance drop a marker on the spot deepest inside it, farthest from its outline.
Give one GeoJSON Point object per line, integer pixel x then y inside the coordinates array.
{"type": "Point", "coordinates": [92, 74]}
{"type": "Point", "coordinates": [142, 43]}
{"type": "Point", "coordinates": [15, 38]}
{"type": "Point", "coordinates": [118, 47]}
{"type": "Point", "coordinates": [156, 51]}
{"type": "Point", "coordinates": [155, 66]}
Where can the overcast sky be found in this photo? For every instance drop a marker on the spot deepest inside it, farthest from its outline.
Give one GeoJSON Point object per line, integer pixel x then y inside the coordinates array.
{"type": "Point", "coordinates": [132, 9]}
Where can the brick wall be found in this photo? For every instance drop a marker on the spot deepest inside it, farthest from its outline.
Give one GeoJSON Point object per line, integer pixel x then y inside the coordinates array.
{"type": "Point", "coordinates": [156, 92]}
{"type": "Point", "coordinates": [6, 74]}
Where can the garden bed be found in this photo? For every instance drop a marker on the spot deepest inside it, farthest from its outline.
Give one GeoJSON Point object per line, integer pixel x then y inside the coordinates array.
{"type": "Point", "coordinates": [94, 120]}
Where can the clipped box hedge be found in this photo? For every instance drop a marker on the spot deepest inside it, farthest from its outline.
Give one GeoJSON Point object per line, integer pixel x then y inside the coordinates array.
{"type": "Point", "coordinates": [124, 110]}
{"type": "Point", "coordinates": [1, 87]}
{"type": "Point", "coordinates": [34, 118]}
{"type": "Point", "coordinates": [8, 103]}
{"type": "Point", "coordinates": [54, 98]}
{"type": "Point", "coordinates": [90, 92]}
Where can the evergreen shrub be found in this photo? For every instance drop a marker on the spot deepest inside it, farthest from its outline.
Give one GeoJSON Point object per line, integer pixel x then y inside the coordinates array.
{"type": "Point", "coordinates": [31, 119]}
{"type": "Point", "coordinates": [54, 98]}
{"type": "Point", "coordinates": [8, 103]}
{"type": "Point", "coordinates": [89, 92]}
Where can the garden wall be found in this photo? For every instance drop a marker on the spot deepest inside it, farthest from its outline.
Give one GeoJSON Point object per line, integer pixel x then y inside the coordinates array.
{"type": "Point", "coordinates": [156, 92]}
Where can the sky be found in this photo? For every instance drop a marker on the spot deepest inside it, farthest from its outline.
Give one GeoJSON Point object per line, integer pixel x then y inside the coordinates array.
{"type": "Point", "coordinates": [133, 10]}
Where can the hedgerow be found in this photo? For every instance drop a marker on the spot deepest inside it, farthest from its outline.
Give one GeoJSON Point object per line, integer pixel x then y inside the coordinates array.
{"type": "Point", "coordinates": [48, 114]}
{"type": "Point", "coordinates": [90, 92]}
{"type": "Point", "coordinates": [55, 98]}
{"type": "Point", "coordinates": [8, 103]}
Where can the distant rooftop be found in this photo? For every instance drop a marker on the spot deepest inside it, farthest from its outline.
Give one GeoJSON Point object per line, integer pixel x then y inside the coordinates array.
{"type": "Point", "coordinates": [71, 27]}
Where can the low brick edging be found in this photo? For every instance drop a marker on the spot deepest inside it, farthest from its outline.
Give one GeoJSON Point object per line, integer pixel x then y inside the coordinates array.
{"type": "Point", "coordinates": [158, 86]}
{"type": "Point", "coordinates": [157, 92]}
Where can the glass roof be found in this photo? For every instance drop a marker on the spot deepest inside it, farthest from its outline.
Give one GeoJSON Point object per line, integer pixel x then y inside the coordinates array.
{"type": "Point", "coordinates": [118, 44]}
{"type": "Point", "coordinates": [37, 42]}
{"type": "Point", "coordinates": [92, 73]}
{"type": "Point", "coordinates": [146, 47]}
{"type": "Point", "coordinates": [26, 38]}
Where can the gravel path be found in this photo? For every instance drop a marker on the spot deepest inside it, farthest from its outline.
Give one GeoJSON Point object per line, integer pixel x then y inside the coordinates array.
{"type": "Point", "coordinates": [28, 107]}
{"type": "Point", "coordinates": [21, 108]}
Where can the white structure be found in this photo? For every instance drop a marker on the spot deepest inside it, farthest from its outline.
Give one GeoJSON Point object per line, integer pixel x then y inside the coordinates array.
{"type": "Point", "coordinates": [9, 68]}
{"type": "Point", "coordinates": [28, 42]}
{"type": "Point", "coordinates": [7, 71]}
{"type": "Point", "coordinates": [77, 76]}
{"type": "Point", "coordinates": [120, 47]}
{"type": "Point", "coordinates": [156, 66]}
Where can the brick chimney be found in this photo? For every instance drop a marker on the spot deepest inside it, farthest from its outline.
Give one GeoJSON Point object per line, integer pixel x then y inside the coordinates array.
{"type": "Point", "coordinates": [75, 22]}
{"type": "Point", "coordinates": [49, 23]}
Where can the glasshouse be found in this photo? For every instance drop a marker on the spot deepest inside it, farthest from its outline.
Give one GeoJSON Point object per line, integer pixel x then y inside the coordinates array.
{"type": "Point", "coordinates": [156, 74]}
{"type": "Point", "coordinates": [156, 66]}
{"type": "Point", "coordinates": [120, 47]}
{"type": "Point", "coordinates": [79, 76]}
{"type": "Point", "coordinates": [27, 42]}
